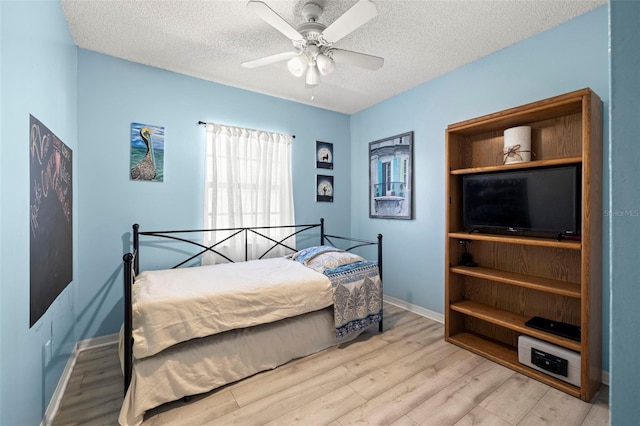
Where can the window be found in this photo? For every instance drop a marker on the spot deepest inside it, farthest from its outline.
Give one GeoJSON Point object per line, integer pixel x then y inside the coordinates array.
{"type": "Point", "coordinates": [247, 183]}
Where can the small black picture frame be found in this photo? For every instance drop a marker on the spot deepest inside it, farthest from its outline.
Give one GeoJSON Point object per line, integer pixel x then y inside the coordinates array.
{"type": "Point", "coordinates": [324, 188]}
{"type": "Point", "coordinates": [324, 155]}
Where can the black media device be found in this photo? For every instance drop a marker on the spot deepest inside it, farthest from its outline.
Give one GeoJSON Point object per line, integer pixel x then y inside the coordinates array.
{"type": "Point", "coordinates": [558, 328]}
{"type": "Point", "coordinates": [543, 201]}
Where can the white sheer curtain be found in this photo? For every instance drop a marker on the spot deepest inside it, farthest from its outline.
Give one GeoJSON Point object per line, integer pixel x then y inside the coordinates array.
{"type": "Point", "coordinates": [247, 183]}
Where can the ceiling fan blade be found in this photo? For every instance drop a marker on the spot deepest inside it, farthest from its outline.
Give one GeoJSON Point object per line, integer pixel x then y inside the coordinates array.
{"type": "Point", "coordinates": [275, 20]}
{"type": "Point", "coordinates": [358, 15]}
{"type": "Point", "coordinates": [269, 59]}
{"type": "Point", "coordinates": [361, 60]}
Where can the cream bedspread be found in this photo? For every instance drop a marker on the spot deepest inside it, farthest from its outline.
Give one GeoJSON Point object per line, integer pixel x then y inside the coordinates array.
{"type": "Point", "coordinates": [176, 305]}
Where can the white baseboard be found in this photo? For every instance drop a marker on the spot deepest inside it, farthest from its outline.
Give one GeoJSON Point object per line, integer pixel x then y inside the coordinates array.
{"type": "Point", "coordinates": [56, 398]}
{"type": "Point", "coordinates": [97, 342]}
{"type": "Point", "coordinates": [414, 308]}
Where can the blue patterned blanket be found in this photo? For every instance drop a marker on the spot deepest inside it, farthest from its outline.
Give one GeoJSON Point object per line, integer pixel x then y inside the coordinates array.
{"type": "Point", "coordinates": [357, 296]}
{"type": "Point", "coordinates": [357, 289]}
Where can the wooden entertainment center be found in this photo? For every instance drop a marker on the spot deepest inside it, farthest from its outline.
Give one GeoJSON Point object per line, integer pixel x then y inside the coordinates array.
{"type": "Point", "coordinates": [519, 277]}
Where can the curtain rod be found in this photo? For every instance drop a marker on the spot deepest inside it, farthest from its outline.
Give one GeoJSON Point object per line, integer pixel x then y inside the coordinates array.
{"type": "Point", "coordinates": [204, 123]}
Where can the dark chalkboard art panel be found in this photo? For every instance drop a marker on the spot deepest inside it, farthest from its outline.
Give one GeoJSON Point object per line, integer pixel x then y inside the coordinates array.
{"type": "Point", "coordinates": [51, 233]}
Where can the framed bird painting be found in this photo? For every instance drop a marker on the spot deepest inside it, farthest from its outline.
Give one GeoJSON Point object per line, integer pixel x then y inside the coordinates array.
{"type": "Point", "coordinates": [147, 153]}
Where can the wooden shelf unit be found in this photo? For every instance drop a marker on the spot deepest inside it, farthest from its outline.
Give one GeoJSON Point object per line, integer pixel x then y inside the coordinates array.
{"type": "Point", "coordinates": [519, 277]}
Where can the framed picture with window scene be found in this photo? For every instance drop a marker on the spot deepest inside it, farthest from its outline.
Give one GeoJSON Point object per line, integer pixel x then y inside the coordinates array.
{"type": "Point", "coordinates": [391, 177]}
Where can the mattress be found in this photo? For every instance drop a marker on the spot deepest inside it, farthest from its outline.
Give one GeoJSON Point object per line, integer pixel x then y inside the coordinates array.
{"type": "Point", "coordinates": [204, 364]}
{"type": "Point", "coordinates": [176, 305]}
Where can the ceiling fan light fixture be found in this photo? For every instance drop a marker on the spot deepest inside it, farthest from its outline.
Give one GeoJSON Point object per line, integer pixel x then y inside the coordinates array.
{"type": "Point", "coordinates": [314, 53]}
{"type": "Point", "coordinates": [313, 75]}
{"type": "Point", "coordinates": [298, 64]}
{"type": "Point", "coordinates": [326, 66]}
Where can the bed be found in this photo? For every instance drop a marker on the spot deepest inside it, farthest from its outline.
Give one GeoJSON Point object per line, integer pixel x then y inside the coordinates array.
{"type": "Point", "coordinates": [189, 329]}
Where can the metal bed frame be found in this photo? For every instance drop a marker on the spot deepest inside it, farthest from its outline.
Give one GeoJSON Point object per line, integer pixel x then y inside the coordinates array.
{"type": "Point", "coordinates": [132, 264]}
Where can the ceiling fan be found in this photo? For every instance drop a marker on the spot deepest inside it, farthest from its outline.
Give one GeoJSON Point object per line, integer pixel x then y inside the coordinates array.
{"type": "Point", "coordinates": [314, 54]}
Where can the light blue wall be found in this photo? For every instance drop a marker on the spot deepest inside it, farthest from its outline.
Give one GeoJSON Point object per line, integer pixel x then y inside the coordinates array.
{"type": "Point", "coordinates": [90, 108]}
{"type": "Point", "coordinates": [569, 57]}
{"type": "Point", "coordinates": [112, 94]}
{"type": "Point", "coordinates": [38, 61]}
{"type": "Point", "coordinates": [625, 209]}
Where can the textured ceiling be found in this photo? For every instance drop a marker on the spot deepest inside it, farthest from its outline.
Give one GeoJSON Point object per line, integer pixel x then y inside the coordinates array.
{"type": "Point", "coordinates": [419, 40]}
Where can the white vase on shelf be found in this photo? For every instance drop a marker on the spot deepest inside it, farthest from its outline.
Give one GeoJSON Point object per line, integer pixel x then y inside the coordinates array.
{"type": "Point", "coordinates": [517, 145]}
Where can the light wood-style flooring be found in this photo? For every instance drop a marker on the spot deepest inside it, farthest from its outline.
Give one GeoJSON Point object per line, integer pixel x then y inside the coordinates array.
{"type": "Point", "coordinates": [407, 375]}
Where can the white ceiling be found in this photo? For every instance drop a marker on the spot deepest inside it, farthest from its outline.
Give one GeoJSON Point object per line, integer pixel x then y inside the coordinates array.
{"type": "Point", "coordinates": [419, 40]}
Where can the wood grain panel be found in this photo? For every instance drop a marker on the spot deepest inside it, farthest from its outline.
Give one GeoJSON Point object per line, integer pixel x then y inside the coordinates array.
{"type": "Point", "coordinates": [564, 288]}
{"type": "Point", "coordinates": [565, 104]}
{"type": "Point", "coordinates": [592, 250]}
{"type": "Point", "coordinates": [523, 301]}
{"type": "Point", "coordinates": [559, 137]}
{"type": "Point", "coordinates": [551, 263]}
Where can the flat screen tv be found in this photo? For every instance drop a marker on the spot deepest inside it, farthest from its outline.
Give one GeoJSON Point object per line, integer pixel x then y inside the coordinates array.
{"type": "Point", "coordinates": [529, 201]}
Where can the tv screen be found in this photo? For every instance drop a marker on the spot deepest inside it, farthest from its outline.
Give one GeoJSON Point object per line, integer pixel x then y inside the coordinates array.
{"type": "Point", "coordinates": [541, 200]}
